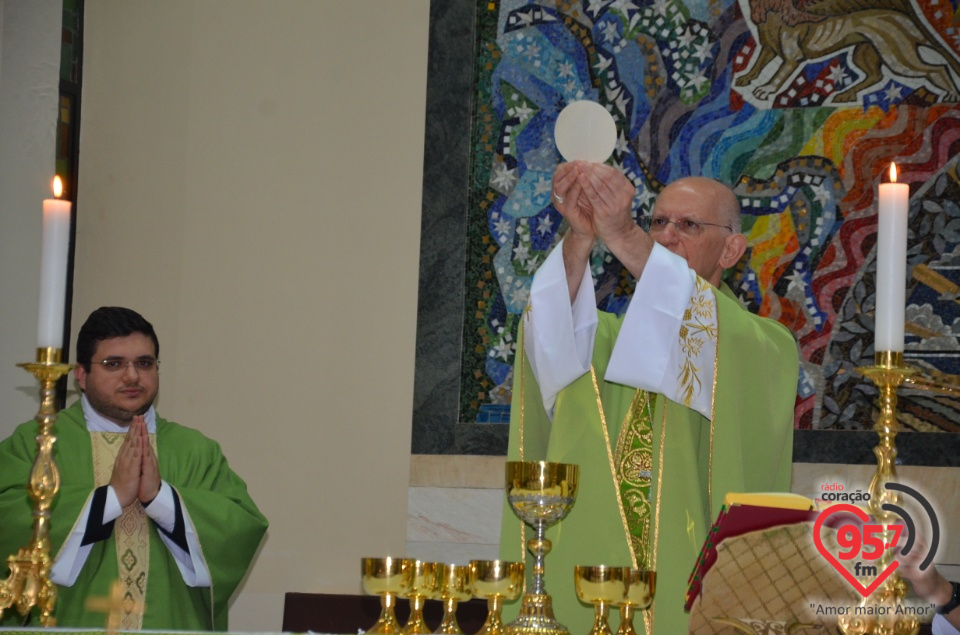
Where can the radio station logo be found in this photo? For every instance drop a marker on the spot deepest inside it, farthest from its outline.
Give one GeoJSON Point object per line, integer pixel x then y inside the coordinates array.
{"type": "Point", "coordinates": [862, 545]}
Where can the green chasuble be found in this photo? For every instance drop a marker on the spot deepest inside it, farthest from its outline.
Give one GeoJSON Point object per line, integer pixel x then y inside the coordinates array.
{"type": "Point", "coordinates": [228, 524]}
{"type": "Point", "coordinates": [689, 466]}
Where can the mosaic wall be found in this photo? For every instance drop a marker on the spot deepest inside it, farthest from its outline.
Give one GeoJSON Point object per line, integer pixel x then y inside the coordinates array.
{"type": "Point", "coordinates": [801, 106]}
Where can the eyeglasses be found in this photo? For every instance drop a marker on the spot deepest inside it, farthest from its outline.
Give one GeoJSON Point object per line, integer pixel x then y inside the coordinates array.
{"type": "Point", "coordinates": [685, 226]}
{"type": "Point", "coordinates": [141, 364]}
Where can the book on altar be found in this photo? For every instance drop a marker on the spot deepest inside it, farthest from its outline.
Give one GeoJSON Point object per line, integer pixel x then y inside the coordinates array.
{"type": "Point", "coordinates": [759, 570]}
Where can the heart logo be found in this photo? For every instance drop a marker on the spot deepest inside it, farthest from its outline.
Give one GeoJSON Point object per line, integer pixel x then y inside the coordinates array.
{"type": "Point", "coordinates": [859, 513]}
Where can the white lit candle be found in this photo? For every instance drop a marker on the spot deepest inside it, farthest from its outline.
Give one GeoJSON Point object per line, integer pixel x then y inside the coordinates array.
{"type": "Point", "coordinates": [53, 268]}
{"type": "Point", "coordinates": [893, 210]}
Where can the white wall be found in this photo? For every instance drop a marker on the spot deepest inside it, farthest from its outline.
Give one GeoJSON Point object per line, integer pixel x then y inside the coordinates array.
{"type": "Point", "coordinates": [250, 178]}
{"type": "Point", "coordinates": [29, 80]}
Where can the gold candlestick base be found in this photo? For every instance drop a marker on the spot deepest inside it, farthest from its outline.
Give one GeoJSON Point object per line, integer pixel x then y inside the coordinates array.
{"type": "Point", "coordinates": [887, 373]}
{"type": "Point", "coordinates": [28, 584]}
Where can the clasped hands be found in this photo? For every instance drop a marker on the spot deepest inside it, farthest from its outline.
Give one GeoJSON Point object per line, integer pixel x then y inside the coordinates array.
{"type": "Point", "coordinates": [595, 199]}
{"type": "Point", "coordinates": [136, 474]}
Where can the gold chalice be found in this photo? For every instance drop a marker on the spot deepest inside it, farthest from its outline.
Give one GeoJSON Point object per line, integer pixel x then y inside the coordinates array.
{"type": "Point", "coordinates": [600, 586]}
{"type": "Point", "coordinates": [384, 577]}
{"type": "Point", "coordinates": [541, 494]}
{"type": "Point", "coordinates": [640, 586]}
{"type": "Point", "coordinates": [454, 585]}
{"type": "Point", "coordinates": [421, 577]}
{"type": "Point", "coordinates": [496, 581]}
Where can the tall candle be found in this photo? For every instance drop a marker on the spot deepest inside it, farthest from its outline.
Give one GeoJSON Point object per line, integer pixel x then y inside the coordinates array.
{"type": "Point", "coordinates": [53, 268]}
{"type": "Point", "coordinates": [893, 210]}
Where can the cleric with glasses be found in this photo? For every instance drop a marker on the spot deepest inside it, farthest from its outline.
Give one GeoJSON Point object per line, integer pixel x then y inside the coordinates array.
{"type": "Point", "coordinates": [145, 364]}
{"type": "Point", "coordinates": [692, 390]}
{"type": "Point", "coordinates": [686, 226]}
{"type": "Point", "coordinates": [143, 500]}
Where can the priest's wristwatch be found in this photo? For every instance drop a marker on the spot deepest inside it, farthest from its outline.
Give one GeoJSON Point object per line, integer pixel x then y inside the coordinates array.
{"type": "Point", "coordinates": [954, 600]}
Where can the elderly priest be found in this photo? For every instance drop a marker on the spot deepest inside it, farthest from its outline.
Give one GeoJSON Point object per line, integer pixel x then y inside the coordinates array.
{"type": "Point", "coordinates": [688, 396]}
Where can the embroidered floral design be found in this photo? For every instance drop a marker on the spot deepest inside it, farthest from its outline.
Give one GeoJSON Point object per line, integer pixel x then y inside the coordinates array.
{"type": "Point", "coordinates": [634, 465]}
{"type": "Point", "coordinates": [699, 327]}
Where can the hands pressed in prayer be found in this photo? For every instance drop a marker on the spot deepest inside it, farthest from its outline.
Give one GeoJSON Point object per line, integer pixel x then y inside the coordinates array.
{"type": "Point", "coordinates": [136, 475]}
{"type": "Point", "coordinates": [150, 470]}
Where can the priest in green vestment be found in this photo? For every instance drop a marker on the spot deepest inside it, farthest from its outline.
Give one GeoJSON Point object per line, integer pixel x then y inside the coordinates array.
{"type": "Point", "coordinates": [684, 398]}
{"type": "Point", "coordinates": [142, 500]}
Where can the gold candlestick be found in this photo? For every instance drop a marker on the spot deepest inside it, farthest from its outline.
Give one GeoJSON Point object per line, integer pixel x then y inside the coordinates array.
{"type": "Point", "coordinates": [29, 582]}
{"type": "Point", "coordinates": [887, 373]}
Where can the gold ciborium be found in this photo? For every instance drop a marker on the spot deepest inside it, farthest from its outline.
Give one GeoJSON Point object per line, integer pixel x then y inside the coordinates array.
{"type": "Point", "coordinates": [541, 494]}
{"type": "Point", "coordinates": [421, 580]}
{"type": "Point", "coordinates": [496, 581]}
{"type": "Point", "coordinates": [600, 586]}
{"type": "Point", "coordinates": [384, 577]}
{"type": "Point", "coordinates": [454, 585]}
{"type": "Point", "coordinates": [640, 586]}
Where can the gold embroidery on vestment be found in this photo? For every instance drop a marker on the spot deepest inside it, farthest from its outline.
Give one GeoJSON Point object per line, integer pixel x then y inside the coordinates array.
{"type": "Point", "coordinates": [131, 531]}
{"type": "Point", "coordinates": [699, 326]}
{"type": "Point", "coordinates": [633, 457]}
{"type": "Point", "coordinates": [614, 474]}
{"type": "Point", "coordinates": [634, 475]}
{"type": "Point", "coordinates": [713, 419]}
{"type": "Point", "coordinates": [648, 616]}
{"type": "Point", "coordinates": [521, 362]}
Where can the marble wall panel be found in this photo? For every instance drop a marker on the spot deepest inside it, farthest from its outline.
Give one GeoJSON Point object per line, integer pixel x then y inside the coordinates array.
{"type": "Point", "coordinates": [454, 514]}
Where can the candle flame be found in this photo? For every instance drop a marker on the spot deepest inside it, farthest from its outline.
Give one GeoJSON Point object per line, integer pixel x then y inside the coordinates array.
{"type": "Point", "coordinates": [893, 172]}
{"type": "Point", "coordinates": [57, 187]}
